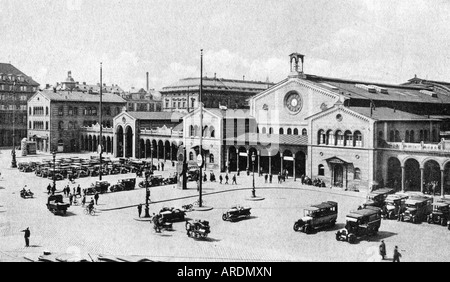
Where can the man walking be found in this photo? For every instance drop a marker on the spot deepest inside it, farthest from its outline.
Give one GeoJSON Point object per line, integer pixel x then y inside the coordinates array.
{"type": "Point", "coordinates": [27, 236]}
{"type": "Point", "coordinates": [234, 180]}
{"type": "Point", "coordinates": [139, 209]}
{"type": "Point", "coordinates": [96, 196]}
{"type": "Point", "coordinates": [220, 178]}
{"type": "Point", "coordinates": [70, 198]}
{"type": "Point", "coordinates": [382, 250]}
{"type": "Point", "coordinates": [270, 178]}
{"type": "Point", "coordinates": [397, 255]}
{"type": "Point", "coordinates": [226, 178]}
{"type": "Point", "coordinates": [265, 177]}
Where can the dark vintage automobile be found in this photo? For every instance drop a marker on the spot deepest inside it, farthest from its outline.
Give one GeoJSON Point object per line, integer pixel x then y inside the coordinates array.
{"type": "Point", "coordinates": [172, 214]}
{"type": "Point", "coordinates": [160, 223]}
{"type": "Point", "coordinates": [440, 213]}
{"type": "Point", "coordinates": [417, 209]}
{"type": "Point", "coordinates": [55, 173]}
{"type": "Point", "coordinates": [236, 212]}
{"type": "Point", "coordinates": [394, 205]}
{"type": "Point", "coordinates": [198, 228]}
{"type": "Point", "coordinates": [26, 194]}
{"type": "Point", "coordinates": [99, 187]}
{"type": "Point", "coordinates": [124, 185]}
{"type": "Point", "coordinates": [56, 205]}
{"type": "Point", "coordinates": [155, 180]}
{"type": "Point", "coordinates": [317, 216]}
{"type": "Point", "coordinates": [173, 179]}
{"type": "Point", "coordinates": [377, 197]}
{"type": "Point", "coordinates": [362, 222]}
{"type": "Point", "coordinates": [192, 174]}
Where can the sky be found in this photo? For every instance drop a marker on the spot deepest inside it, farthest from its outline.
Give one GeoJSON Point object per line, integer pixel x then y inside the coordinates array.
{"type": "Point", "coordinates": [379, 41]}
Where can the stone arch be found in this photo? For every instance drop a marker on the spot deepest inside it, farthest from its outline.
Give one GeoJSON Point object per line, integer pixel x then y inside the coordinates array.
{"type": "Point", "coordinates": [119, 141]}
{"type": "Point", "coordinates": [232, 159]}
{"type": "Point", "coordinates": [412, 175]}
{"type": "Point", "coordinates": [394, 173]}
{"type": "Point", "coordinates": [432, 172]}
{"type": "Point", "coordinates": [242, 159]}
{"type": "Point", "coordinates": [129, 142]}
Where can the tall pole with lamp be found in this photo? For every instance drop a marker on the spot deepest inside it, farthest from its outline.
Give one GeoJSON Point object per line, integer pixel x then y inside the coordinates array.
{"type": "Point", "coordinates": [200, 159]}
{"type": "Point", "coordinates": [253, 168]}
{"type": "Point", "coordinates": [100, 146]}
{"type": "Point", "coordinates": [54, 170]}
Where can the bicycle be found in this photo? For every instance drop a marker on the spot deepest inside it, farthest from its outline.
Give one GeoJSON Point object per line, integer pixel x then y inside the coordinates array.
{"type": "Point", "coordinates": [89, 211]}
{"type": "Point", "coordinates": [197, 203]}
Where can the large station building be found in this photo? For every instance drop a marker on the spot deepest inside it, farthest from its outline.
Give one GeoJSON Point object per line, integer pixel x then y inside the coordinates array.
{"type": "Point", "coordinates": [351, 134]}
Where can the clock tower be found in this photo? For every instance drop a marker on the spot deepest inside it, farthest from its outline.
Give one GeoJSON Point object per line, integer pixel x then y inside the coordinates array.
{"type": "Point", "coordinates": [295, 59]}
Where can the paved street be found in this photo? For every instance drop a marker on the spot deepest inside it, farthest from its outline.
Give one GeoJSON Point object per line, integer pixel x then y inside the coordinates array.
{"type": "Point", "coordinates": [266, 236]}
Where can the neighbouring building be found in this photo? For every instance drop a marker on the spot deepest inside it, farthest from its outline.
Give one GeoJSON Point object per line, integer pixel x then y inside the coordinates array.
{"type": "Point", "coordinates": [142, 101]}
{"type": "Point", "coordinates": [15, 90]}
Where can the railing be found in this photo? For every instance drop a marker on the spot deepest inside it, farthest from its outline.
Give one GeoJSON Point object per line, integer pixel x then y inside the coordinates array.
{"type": "Point", "coordinates": [444, 145]}
{"type": "Point", "coordinates": [162, 132]}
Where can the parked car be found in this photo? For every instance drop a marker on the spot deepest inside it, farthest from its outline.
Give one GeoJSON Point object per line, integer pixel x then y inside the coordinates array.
{"type": "Point", "coordinates": [440, 214]}
{"type": "Point", "coordinates": [102, 186]}
{"type": "Point", "coordinates": [377, 197]}
{"type": "Point", "coordinates": [362, 222]}
{"type": "Point", "coordinates": [173, 179]}
{"type": "Point", "coordinates": [198, 228]}
{"type": "Point", "coordinates": [156, 180]}
{"type": "Point", "coordinates": [124, 185]}
{"type": "Point", "coordinates": [417, 209]}
{"type": "Point", "coordinates": [56, 205]}
{"type": "Point", "coordinates": [317, 216]}
{"type": "Point", "coordinates": [236, 212]}
{"type": "Point", "coordinates": [394, 205]}
{"type": "Point", "coordinates": [172, 214]}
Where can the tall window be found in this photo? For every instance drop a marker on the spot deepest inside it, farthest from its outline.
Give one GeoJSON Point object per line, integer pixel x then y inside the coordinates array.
{"type": "Point", "coordinates": [304, 132]}
{"type": "Point", "coordinates": [321, 170]}
{"type": "Point", "coordinates": [191, 156]}
{"type": "Point", "coordinates": [46, 125]}
{"type": "Point", "coordinates": [358, 139]}
{"type": "Point", "coordinates": [270, 130]}
{"type": "Point", "coordinates": [61, 111]}
{"type": "Point", "coordinates": [295, 131]}
{"type": "Point", "coordinates": [330, 137]}
{"type": "Point", "coordinates": [339, 138]}
{"type": "Point", "coordinates": [289, 131]}
{"type": "Point", "coordinates": [425, 136]}
{"type": "Point", "coordinates": [357, 175]}
{"type": "Point", "coordinates": [397, 136]}
{"type": "Point", "coordinates": [70, 111]}
{"type": "Point", "coordinates": [192, 133]}
{"type": "Point", "coordinates": [411, 136]}
{"type": "Point", "coordinates": [321, 137]}
{"type": "Point", "coordinates": [211, 158]}
{"type": "Point", "coordinates": [348, 141]}
{"type": "Point", "coordinates": [281, 131]}
{"type": "Point", "coordinates": [263, 130]}
{"type": "Point", "coordinates": [407, 136]}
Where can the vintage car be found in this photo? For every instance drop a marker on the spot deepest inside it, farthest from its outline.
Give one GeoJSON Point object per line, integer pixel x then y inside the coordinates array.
{"type": "Point", "coordinates": [377, 197]}
{"type": "Point", "coordinates": [161, 223]}
{"type": "Point", "coordinates": [417, 209]}
{"type": "Point", "coordinates": [156, 180]}
{"type": "Point", "coordinates": [172, 179]}
{"type": "Point", "coordinates": [440, 213]}
{"type": "Point", "coordinates": [55, 173]}
{"type": "Point", "coordinates": [192, 174]}
{"type": "Point", "coordinates": [56, 205]}
{"type": "Point", "coordinates": [102, 186]}
{"type": "Point", "coordinates": [317, 216]}
{"type": "Point", "coordinates": [236, 212]}
{"type": "Point", "coordinates": [172, 214]}
{"type": "Point", "coordinates": [124, 185]}
{"type": "Point", "coordinates": [26, 194]}
{"type": "Point", "coordinates": [362, 222]}
{"type": "Point", "coordinates": [198, 228]}
{"type": "Point", "coordinates": [394, 205]}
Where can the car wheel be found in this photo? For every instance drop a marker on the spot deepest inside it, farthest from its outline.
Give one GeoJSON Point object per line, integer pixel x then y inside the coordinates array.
{"type": "Point", "coordinates": [402, 218]}
{"type": "Point", "coordinates": [307, 229]}
{"type": "Point", "coordinates": [224, 217]}
{"type": "Point", "coordinates": [296, 227]}
{"type": "Point", "coordinates": [351, 239]}
{"type": "Point", "coordinates": [429, 220]}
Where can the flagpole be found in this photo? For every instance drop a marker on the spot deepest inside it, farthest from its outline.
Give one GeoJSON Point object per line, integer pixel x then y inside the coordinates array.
{"type": "Point", "coordinates": [101, 121]}
{"type": "Point", "coordinates": [200, 202]}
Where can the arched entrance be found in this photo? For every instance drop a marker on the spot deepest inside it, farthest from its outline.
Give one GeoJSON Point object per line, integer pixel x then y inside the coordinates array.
{"type": "Point", "coordinates": [129, 142]}
{"type": "Point", "coordinates": [276, 162]}
{"type": "Point", "coordinates": [412, 175]}
{"type": "Point", "coordinates": [432, 175]}
{"type": "Point", "coordinates": [264, 162]}
{"type": "Point", "coordinates": [242, 159]}
{"type": "Point", "coordinates": [119, 138]}
{"type": "Point", "coordinates": [394, 174]}
{"type": "Point", "coordinates": [94, 144]}
{"type": "Point", "coordinates": [300, 164]}
{"type": "Point", "coordinates": [108, 144]}
{"type": "Point", "coordinates": [288, 162]}
{"type": "Point", "coordinates": [232, 159]}
{"type": "Point", "coordinates": [148, 149]}
{"type": "Point", "coordinates": [154, 149]}
{"type": "Point", "coordinates": [141, 148]}
{"type": "Point", "coordinates": [447, 178]}
{"type": "Point", "coordinates": [338, 175]}
{"type": "Point", "coordinates": [167, 148]}
{"type": "Point", "coordinates": [160, 150]}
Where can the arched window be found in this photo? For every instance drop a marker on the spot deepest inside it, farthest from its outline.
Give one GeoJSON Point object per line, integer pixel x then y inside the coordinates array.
{"type": "Point", "coordinates": [397, 136]}
{"type": "Point", "coordinates": [191, 131]}
{"type": "Point", "coordinates": [191, 156]}
{"type": "Point", "coordinates": [421, 135]}
{"type": "Point", "coordinates": [205, 131]}
{"type": "Point", "coordinates": [213, 132]}
{"type": "Point", "coordinates": [289, 131]}
{"type": "Point", "coordinates": [211, 158]}
{"type": "Point", "coordinates": [304, 132]}
{"type": "Point", "coordinates": [330, 137]}
{"type": "Point", "coordinates": [295, 131]}
{"type": "Point", "coordinates": [391, 136]}
{"type": "Point", "coordinates": [358, 139]}
{"type": "Point", "coordinates": [196, 131]}
{"type": "Point", "coordinates": [411, 136]}
{"type": "Point", "coordinates": [46, 111]}
{"type": "Point", "coordinates": [425, 136]}
{"type": "Point", "coordinates": [339, 138]}
{"type": "Point", "coordinates": [270, 130]}
{"type": "Point", "coordinates": [281, 131]}
{"type": "Point", "coordinates": [321, 137]}
{"type": "Point", "coordinates": [434, 137]}
{"type": "Point", "coordinates": [29, 124]}
{"type": "Point", "coordinates": [61, 125]}
{"type": "Point", "coordinates": [407, 136]}
{"type": "Point", "coordinates": [321, 170]}
{"type": "Point", "coordinates": [29, 111]}
{"type": "Point", "coordinates": [348, 138]}
{"type": "Point", "coordinates": [357, 175]}
{"type": "Point", "coordinates": [263, 130]}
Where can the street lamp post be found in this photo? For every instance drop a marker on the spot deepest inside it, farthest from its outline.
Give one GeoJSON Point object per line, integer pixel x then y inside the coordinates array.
{"type": "Point", "coordinates": [54, 170]}
{"type": "Point", "coordinates": [13, 153]}
{"type": "Point", "coordinates": [253, 168]}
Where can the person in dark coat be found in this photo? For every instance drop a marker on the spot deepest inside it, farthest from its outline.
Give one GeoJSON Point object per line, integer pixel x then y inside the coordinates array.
{"type": "Point", "coordinates": [139, 209]}
{"type": "Point", "coordinates": [234, 180]}
{"type": "Point", "coordinates": [27, 236]}
{"type": "Point", "coordinates": [96, 196]}
{"type": "Point", "coordinates": [270, 178]}
{"type": "Point", "coordinates": [220, 178]}
{"type": "Point", "coordinates": [226, 178]}
{"type": "Point", "coordinates": [70, 198]}
{"type": "Point", "coordinates": [49, 189]}
{"type": "Point", "coordinates": [79, 190]}
{"type": "Point", "coordinates": [382, 249]}
{"type": "Point", "coordinates": [53, 190]}
{"type": "Point", "coordinates": [265, 177]}
{"type": "Point", "coordinates": [397, 255]}
{"type": "Point", "coordinates": [162, 166]}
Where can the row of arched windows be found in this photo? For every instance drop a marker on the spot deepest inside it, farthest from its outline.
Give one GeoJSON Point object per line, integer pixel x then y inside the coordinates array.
{"type": "Point", "coordinates": [281, 131]}
{"type": "Point", "coordinates": [410, 136]}
{"type": "Point", "coordinates": [211, 157]}
{"type": "Point", "coordinates": [208, 131]}
{"type": "Point", "coordinates": [71, 125]}
{"type": "Point", "coordinates": [340, 138]}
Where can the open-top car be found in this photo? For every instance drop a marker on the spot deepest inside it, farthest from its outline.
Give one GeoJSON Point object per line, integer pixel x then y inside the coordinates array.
{"type": "Point", "coordinates": [124, 185]}
{"type": "Point", "coordinates": [440, 213]}
{"type": "Point", "coordinates": [317, 216]}
{"type": "Point", "coordinates": [236, 212]}
{"type": "Point", "coordinates": [417, 209]}
{"type": "Point", "coordinates": [172, 214]}
{"type": "Point", "coordinates": [55, 204]}
{"type": "Point", "coordinates": [26, 194]}
{"type": "Point", "coordinates": [197, 228]}
{"type": "Point", "coordinates": [394, 205]}
{"type": "Point", "coordinates": [362, 222]}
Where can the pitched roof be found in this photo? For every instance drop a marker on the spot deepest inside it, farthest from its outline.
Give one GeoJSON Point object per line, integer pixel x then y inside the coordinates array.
{"type": "Point", "coordinates": [231, 113]}
{"type": "Point", "coordinates": [266, 139]}
{"type": "Point", "coordinates": [173, 116]}
{"type": "Point", "coordinates": [10, 69]}
{"type": "Point", "coordinates": [77, 96]}
{"type": "Point", "coordinates": [388, 114]}
{"type": "Point", "coordinates": [218, 84]}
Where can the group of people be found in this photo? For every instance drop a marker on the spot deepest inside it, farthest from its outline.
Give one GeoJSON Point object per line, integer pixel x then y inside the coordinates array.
{"type": "Point", "coordinates": [397, 255]}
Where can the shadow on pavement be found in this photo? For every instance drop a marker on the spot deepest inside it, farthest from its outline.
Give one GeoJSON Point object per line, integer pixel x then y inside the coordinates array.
{"type": "Point", "coordinates": [243, 219]}
{"type": "Point", "coordinates": [207, 239]}
{"type": "Point", "coordinates": [381, 235]}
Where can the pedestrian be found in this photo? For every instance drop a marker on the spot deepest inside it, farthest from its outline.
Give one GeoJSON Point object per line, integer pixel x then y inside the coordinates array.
{"type": "Point", "coordinates": [198, 185]}
{"type": "Point", "coordinates": [70, 198]}
{"type": "Point", "coordinates": [220, 178]}
{"type": "Point", "coordinates": [205, 178]}
{"type": "Point", "coordinates": [270, 178]}
{"type": "Point", "coordinates": [83, 201]}
{"type": "Point", "coordinates": [27, 236]}
{"type": "Point", "coordinates": [74, 191]}
{"type": "Point", "coordinates": [279, 177]}
{"type": "Point", "coordinates": [139, 209]}
{"type": "Point", "coordinates": [162, 166]}
{"type": "Point", "coordinates": [96, 196]}
{"type": "Point", "coordinates": [49, 188]}
{"type": "Point", "coordinates": [53, 190]}
{"type": "Point", "coordinates": [287, 173]}
{"type": "Point", "coordinates": [79, 190]}
{"type": "Point", "coordinates": [234, 180]}
{"type": "Point", "coordinates": [260, 171]}
{"type": "Point", "coordinates": [382, 250]}
{"type": "Point", "coordinates": [265, 177]}
{"type": "Point", "coordinates": [397, 255]}
{"type": "Point", "coordinates": [303, 179]}
{"type": "Point", "coordinates": [158, 166]}
{"type": "Point", "coordinates": [226, 178]}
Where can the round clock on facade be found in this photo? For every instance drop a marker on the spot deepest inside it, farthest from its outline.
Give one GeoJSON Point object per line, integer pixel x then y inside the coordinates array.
{"type": "Point", "coordinates": [293, 102]}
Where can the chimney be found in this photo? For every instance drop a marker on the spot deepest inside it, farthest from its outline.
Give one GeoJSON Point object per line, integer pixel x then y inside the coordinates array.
{"type": "Point", "coordinates": [243, 77]}
{"type": "Point", "coordinates": [147, 83]}
{"type": "Point", "coordinates": [84, 82]}
{"type": "Point", "coordinates": [215, 75]}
